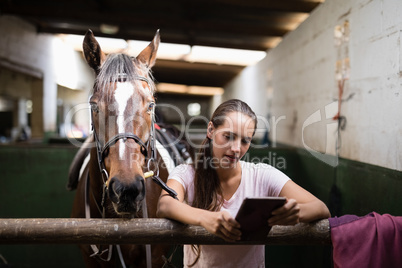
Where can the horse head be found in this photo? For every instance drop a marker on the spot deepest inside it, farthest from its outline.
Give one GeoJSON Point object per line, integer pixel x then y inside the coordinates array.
{"type": "Point", "coordinates": [122, 110]}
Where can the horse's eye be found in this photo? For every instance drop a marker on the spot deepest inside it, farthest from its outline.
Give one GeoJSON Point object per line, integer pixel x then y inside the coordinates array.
{"type": "Point", "coordinates": [151, 107]}
{"type": "Point", "coordinates": [94, 107]}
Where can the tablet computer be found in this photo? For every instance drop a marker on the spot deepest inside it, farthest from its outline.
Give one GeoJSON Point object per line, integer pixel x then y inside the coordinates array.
{"type": "Point", "coordinates": [254, 214]}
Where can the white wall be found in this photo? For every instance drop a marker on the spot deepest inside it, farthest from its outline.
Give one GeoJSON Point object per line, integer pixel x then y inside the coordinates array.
{"type": "Point", "coordinates": [296, 83]}
{"type": "Point", "coordinates": [47, 56]}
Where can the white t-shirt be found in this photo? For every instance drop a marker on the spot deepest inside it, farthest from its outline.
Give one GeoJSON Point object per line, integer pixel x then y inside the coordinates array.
{"type": "Point", "coordinates": [257, 180]}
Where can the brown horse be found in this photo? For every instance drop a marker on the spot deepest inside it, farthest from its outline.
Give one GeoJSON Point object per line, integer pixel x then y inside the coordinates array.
{"type": "Point", "coordinates": [121, 148]}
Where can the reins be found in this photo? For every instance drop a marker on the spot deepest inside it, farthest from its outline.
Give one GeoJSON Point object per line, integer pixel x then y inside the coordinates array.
{"type": "Point", "coordinates": [102, 152]}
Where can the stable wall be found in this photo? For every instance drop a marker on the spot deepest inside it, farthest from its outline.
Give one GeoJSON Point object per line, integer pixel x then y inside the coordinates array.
{"type": "Point", "coordinates": [34, 183]}
{"type": "Point", "coordinates": [44, 57]}
{"type": "Point", "coordinates": [296, 84]}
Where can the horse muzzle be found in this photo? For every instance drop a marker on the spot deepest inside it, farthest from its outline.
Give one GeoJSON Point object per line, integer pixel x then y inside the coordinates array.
{"type": "Point", "coordinates": [126, 197]}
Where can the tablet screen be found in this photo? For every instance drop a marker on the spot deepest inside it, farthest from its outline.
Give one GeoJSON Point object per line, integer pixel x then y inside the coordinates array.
{"type": "Point", "coordinates": [255, 212]}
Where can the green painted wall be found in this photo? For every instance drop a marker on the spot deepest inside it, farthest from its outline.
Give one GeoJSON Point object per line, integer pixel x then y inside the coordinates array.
{"type": "Point", "coordinates": [349, 188]}
{"type": "Point", "coordinates": [34, 178]}
{"type": "Point", "coordinates": [365, 188]}
{"type": "Point", "coordinates": [33, 185]}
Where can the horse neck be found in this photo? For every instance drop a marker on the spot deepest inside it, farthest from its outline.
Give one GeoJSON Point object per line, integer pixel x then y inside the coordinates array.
{"type": "Point", "coordinates": [95, 184]}
{"type": "Point", "coordinates": [94, 170]}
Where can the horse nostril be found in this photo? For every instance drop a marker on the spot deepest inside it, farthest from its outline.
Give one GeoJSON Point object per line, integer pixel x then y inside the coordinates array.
{"type": "Point", "coordinates": [114, 190]}
{"type": "Point", "coordinates": [126, 196]}
{"type": "Point", "coordinates": [140, 186]}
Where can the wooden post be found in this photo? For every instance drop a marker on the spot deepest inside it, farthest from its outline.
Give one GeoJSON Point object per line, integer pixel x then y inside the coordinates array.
{"type": "Point", "coordinates": [144, 231]}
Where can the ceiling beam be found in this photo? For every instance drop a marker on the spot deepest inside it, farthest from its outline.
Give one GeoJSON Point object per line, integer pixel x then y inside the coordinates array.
{"type": "Point", "coordinates": [223, 41]}
{"type": "Point", "coordinates": [200, 74]}
{"type": "Point", "coordinates": [133, 20]}
{"type": "Point", "coordinates": [277, 5]}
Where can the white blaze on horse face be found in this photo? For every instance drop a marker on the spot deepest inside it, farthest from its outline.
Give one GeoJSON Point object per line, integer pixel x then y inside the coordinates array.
{"type": "Point", "coordinates": [123, 92]}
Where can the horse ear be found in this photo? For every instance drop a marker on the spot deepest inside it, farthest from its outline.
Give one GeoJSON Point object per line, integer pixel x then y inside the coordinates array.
{"type": "Point", "coordinates": [92, 51]}
{"type": "Point", "coordinates": [148, 55]}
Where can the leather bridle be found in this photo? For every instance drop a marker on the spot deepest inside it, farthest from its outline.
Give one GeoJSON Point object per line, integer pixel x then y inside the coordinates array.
{"type": "Point", "coordinates": [152, 166]}
{"type": "Point", "coordinates": [103, 150]}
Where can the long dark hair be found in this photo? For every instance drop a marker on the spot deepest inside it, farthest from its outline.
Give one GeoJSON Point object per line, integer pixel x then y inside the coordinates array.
{"type": "Point", "coordinates": [208, 192]}
{"type": "Point", "coordinates": [207, 188]}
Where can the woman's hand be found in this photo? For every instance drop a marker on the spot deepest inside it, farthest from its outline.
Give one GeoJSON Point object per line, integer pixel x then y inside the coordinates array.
{"type": "Point", "coordinates": [288, 214]}
{"type": "Point", "coordinates": [222, 224]}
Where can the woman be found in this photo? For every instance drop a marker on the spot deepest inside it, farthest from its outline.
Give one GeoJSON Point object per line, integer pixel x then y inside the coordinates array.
{"type": "Point", "coordinates": [211, 191]}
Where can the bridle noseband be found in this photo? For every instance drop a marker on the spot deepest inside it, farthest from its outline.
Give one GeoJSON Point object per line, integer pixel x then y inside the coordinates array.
{"type": "Point", "coordinates": [103, 151]}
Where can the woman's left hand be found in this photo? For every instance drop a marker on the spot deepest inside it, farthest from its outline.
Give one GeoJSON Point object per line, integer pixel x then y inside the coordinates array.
{"type": "Point", "coordinates": [288, 214]}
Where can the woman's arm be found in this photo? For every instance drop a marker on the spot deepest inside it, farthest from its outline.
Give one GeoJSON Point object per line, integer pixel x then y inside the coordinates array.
{"type": "Point", "coordinates": [220, 223]}
{"type": "Point", "coordinates": [301, 206]}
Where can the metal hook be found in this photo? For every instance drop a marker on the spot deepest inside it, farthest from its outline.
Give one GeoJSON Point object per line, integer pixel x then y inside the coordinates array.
{"type": "Point", "coordinates": [104, 172]}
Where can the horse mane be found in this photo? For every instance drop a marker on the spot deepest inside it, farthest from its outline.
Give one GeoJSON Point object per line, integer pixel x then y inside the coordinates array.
{"type": "Point", "coordinates": [121, 68]}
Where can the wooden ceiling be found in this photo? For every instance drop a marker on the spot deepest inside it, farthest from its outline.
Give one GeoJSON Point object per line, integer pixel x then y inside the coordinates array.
{"type": "Point", "coordinates": [241, 24]}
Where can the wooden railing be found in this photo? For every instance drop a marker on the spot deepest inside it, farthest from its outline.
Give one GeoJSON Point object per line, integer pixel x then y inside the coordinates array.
{"type": "Point", "coordinates": [145, 231]}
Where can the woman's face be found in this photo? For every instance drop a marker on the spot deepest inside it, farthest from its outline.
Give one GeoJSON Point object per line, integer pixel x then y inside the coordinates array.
{"type": "Point", "coordinates": [231, 140]}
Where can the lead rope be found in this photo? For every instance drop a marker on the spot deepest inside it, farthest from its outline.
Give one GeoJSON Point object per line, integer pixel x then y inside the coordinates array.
{"type": "Point", "coordinates": [148, 246]}
{"type": "Point", "coordinates": [96, 250]}
{"type": "Point", "coordinates": [123, 265]}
